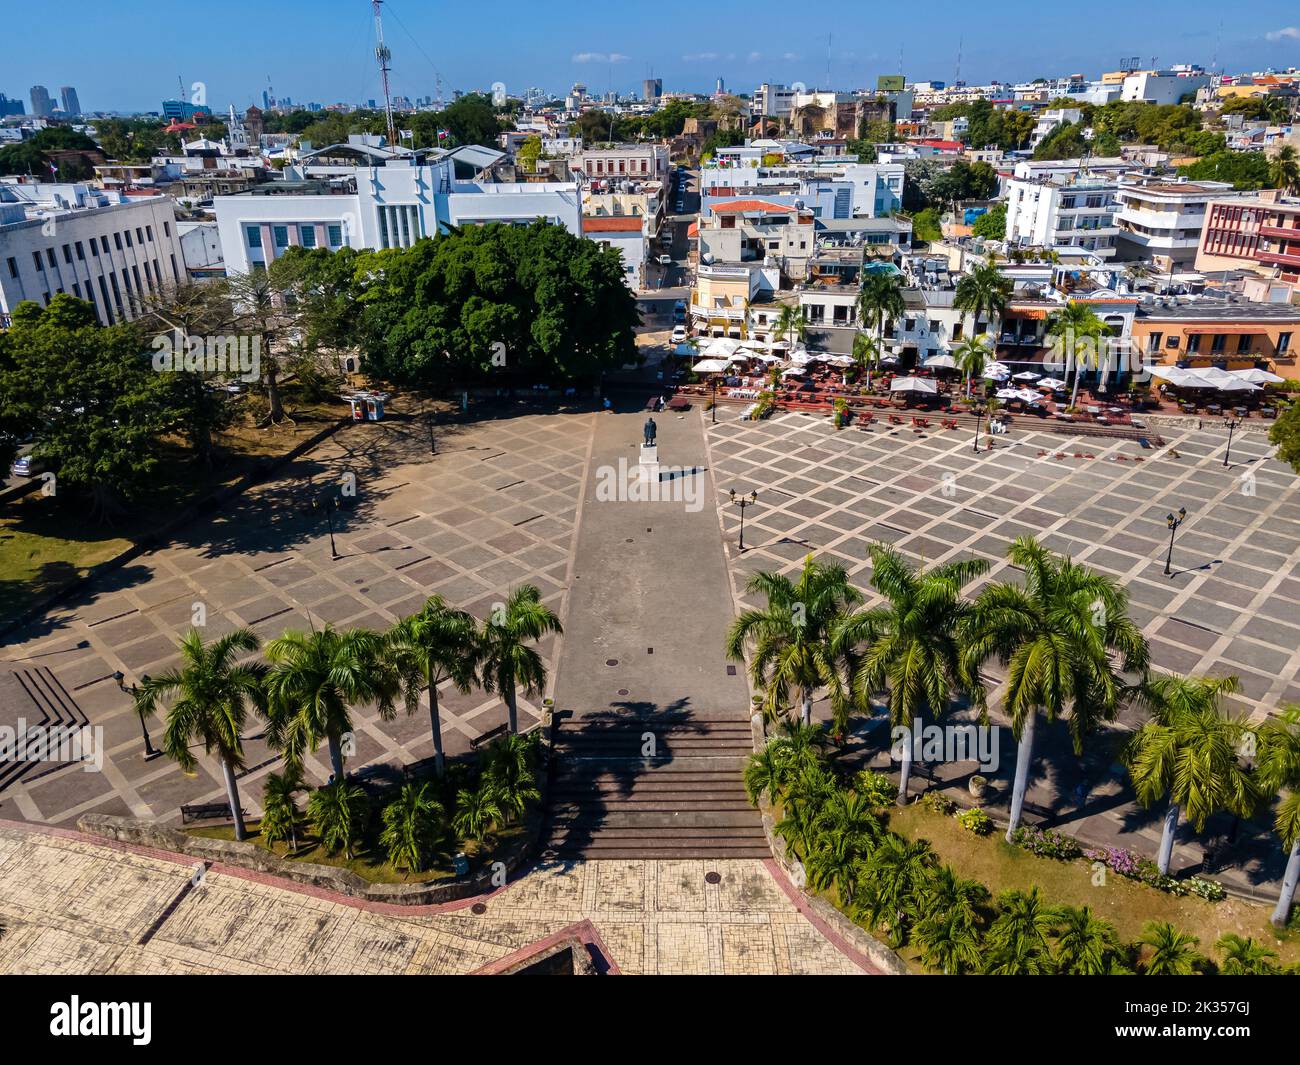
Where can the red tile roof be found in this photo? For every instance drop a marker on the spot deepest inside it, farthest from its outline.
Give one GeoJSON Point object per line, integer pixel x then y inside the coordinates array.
{"type": "Point", "coordinates": [747, 206]}
{"type": "Point", "coordinates": [626, 223]}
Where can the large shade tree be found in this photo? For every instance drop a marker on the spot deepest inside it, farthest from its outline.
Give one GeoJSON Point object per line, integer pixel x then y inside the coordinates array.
{"type": "Point", "coordinates": [1060, 638]}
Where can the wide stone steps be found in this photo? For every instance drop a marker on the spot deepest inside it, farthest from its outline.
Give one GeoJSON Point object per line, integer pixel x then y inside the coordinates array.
{"type": "Point", "coordinates": [687, 800]}
{"type": "Point", "coordinates": [36, 701]}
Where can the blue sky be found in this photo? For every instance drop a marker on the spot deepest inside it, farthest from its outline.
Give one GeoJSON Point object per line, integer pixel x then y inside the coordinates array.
{"type": "Point", "coordinates": [127, 55]}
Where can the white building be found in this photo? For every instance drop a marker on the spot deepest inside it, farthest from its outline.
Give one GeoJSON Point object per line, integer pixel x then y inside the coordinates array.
{"type": "Point", "coordinates": [773, 101]}
{"type": "Point", "coordinates": [389, 206]}
{"type": "Point", "coordinates": [1048, 121]}
{"type": "Point", "coordinates": [1160, 220]}
{"type": "Point", "coordinates": [112, 250]}
{"type": "Point", "coordinates": [1072, 212]}
{"type": "Point", "coordinates": [1162, 86]}
{"type": "Point", "coordinates": [827, 187]}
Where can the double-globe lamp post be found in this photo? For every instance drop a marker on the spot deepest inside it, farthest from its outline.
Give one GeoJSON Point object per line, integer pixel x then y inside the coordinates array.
{"type": "Point", "coordinates": [742, 502]}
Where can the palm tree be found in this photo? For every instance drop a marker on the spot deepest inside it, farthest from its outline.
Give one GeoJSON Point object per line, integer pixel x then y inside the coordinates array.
{"type": "Point", "coordinates": [1055, 636]}
{"type": "Point", "coordinates": [790, 325]}
{"type": "Point", "coordinates": [1245, 957]}
{"type": "Point", "coordinates": [436, 645]}
{"type": "Point", "coordinates": [339, 811]}
{"type": "Point", "coordinates": [317, 679]}
{"type": "Point", "coordinates": [477, 812]}
{"type": "Point", "coordinates": [807, 796]}
{"type": "Point", "coordinates": [508, 769]}
{"type": "Point", "coordinates": [412, 827]}
{"type": "Point", "coordinates": [984, 290]}
{"type": "Point", "coordinates": [1078, 329]}
{"type": "Point", "coordinates": [1018, 937]}
{"type": "Point", "coordinates": [1284, 169]}
{"type": "Point", "coordinates": [1279, 770]}
{"type": "Point", "coordinates": [792, 637]}
{"type": "Point", "coordinates": [900, 871]}
{"type": "Point", "coordinates": [866, 352]}
{"type": "Point", "coordinates": [971, 356]}
{"type": "Point", "coordinates": [1173, 952]}
{"type": "Point", "coordinates": [1187, 754]}
{"type": "Point", "coordinates": [279, 809]}
{"type": "Point", "coordinates": [909, 645]}
{"type": "Point", "coordinates": [506, 659]}
{"type": "Point", "coordinates": [948, 931]}
{"type": "Point", "coordinates": [210, 695]}
{"type": "Point", "coordinates": [1085, 944]}
{"type": "Point", "coordinates": [881, 298]}
{"type": "Point", "coordinates": [783, 758]}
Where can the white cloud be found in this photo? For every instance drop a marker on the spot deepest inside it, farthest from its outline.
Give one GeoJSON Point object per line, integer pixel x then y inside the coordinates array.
{"type": "Point", "coordinates": [700, 57]}
{"type": "Point", "coordinates": [754, 57]}
{"type": "Point", "coordinates": [792, 57]}
{"type": "Point", "coordinates": [1286, 33]}
{"type": "Point", "coordinates": [600, 57]}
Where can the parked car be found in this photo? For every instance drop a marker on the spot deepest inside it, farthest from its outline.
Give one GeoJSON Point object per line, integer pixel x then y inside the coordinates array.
{"type": "Point", "coordinates": [665, 260]}
{"type": "Point", "coordinates": [27, 466]}
{"type": "Point", "coordinates": [679, 334]}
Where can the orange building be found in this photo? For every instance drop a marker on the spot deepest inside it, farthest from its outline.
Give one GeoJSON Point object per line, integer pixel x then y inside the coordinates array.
{"type": "Point", "coordinates": [1230, 335]}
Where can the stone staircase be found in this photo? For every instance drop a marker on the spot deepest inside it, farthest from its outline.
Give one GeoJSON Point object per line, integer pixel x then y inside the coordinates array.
{"type": "Point", "coordinates": [686, 799]}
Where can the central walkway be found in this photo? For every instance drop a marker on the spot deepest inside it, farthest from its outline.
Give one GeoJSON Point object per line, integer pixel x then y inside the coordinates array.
{"type": "Point", "coordinates": [654, 727]}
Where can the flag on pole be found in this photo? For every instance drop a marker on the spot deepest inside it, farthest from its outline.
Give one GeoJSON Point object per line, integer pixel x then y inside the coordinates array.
{"type": "Point", "coordinates": [443, 134]}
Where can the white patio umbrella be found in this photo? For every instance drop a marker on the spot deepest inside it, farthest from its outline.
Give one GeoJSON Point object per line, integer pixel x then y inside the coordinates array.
{"type": "Point", "coordinates": [720, 348]}
{"type": "Point", "coordinates": [941, 362]}
{"type": "Point", "coordinates": [1028, 395]}
{"type": "Point", "coordinates": [917, 385]}
{"type": "Point", "coordinates": [800, 358]}
{"type": "Point", "coordinates": [1051, 382]}
{"type": "Point", "coordinates": [710, 366]}
{"type": "Point", "coordinates": [1026, 375]}
{"type": "Point", "coordinates": [1257, 376]}
{"type": "Point", "coordinates": [995, 371]}
{"type": "Point", "coordinates": [794, 371]}
{"type": "Point", "coordinates": [1008, 393]}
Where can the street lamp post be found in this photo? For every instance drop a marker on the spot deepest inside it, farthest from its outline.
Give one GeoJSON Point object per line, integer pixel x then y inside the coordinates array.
{"type": "Point", "coordinates": [329, 506]}
{"type": "Point", "coordinates": [979, 413]}
{"type": "Point", "coordinates": [1173, 523]}
{"type": "Point", "coordinates": [742, 502]}
{"type": "Point", "coordinates": [149, 750]}
{"type": "Point", "coordinates": [714, 409]}
{"type": "Point", "coordinates": [433, 444]}
{"type": "Point", "coordinates": [1232, 424]}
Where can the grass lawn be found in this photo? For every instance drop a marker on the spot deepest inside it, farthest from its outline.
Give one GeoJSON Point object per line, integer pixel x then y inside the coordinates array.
{"type": "Point", "coordinates": [369, 864]}
{"type": "Point", "coordinates": [1124, 903]}
{"type": "Point", "coordinates": [46, 544]}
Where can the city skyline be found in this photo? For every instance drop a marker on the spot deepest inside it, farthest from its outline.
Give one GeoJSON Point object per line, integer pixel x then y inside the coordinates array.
{"type": "Point", "coordinates": [687, 48]}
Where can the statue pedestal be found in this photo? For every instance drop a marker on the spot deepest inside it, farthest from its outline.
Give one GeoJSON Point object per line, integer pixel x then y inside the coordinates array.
{"type": "Point", "coordinates": [650, 462]}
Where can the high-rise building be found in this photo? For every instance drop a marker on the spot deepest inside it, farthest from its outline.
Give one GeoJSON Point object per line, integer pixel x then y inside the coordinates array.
{"type": "Point", "coordinates": [652, 89]}
{"type": "Point", "coordinates": [721, 87]}
{"type": "Point", "coordinates": [10, 107]}
{"type": "Point", "coordinates": [71, 105]}
{"type": "Point", "coordinates": [42, 107]}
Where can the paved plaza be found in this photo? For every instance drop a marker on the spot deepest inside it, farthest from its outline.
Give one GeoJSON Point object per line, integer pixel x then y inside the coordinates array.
{"type": "Point", "coordinates": [1232, 603]}
{"type": "Point", "coordinates": [493, 509]}
{"type": "Point", "coordinates": [76, 907]}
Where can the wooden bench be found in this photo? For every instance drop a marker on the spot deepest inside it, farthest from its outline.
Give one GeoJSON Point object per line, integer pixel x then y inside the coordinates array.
{"type": "Point", "coordinates": [207, 811]}
{"type": "Point", "coordinates": [489, 735]}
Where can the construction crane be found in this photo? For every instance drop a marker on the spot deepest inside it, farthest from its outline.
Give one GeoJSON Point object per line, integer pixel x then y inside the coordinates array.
{"type": "Point", "coordinates": [383, 56]}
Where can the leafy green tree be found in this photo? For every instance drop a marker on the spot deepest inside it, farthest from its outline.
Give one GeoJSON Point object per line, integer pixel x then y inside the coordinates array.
{"type": "Point", "coordinates": [900, 872]}
{"type": "Point", "coordinates": [1188, 754]}
{"type": "Point", "coordinates": [1284, 169]}
{"type": "Point", "coordinates": [790, 325]}
{"type": "Point", "coordinates": [1279, 771]}
{"type": "Point", "coordinates": [1245, 170]}
{"type": "Point", "coordinates": [340, 812]}
{"type": "Point", "coordinates": [314, 682]}
{"type": "Point", "coordinates": [279, 808]}
{"type": "Point", "coordinates": [1055, 637]}
{"type": "Point", "coordinates": [413, 827]}
{"type": "Point", "coordinates": [1285, 435]}
{"type": "Point", "coordinates": [866, 353]}
{"type": "Point", "coordinates": [909, 645]}
{"type": "Point", "coordinates": [992, 224]}
{"type": "Point", "coordinates": [792, 637]}
{"type": "Point", "coordinates": [210, 694]}
{"type": "Point", "coordinates": [970, 356]}
{"type": "Point", "coordinates": [1173, 953]}
{"type": "Point", "coordinates": [437, 645]}
{"type": "Point", "coordinates": [1079, 332]}
{"type": "Point", "coordinates": [507, 661]}
{"type": "Point", "coordinates": [925, 225]}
